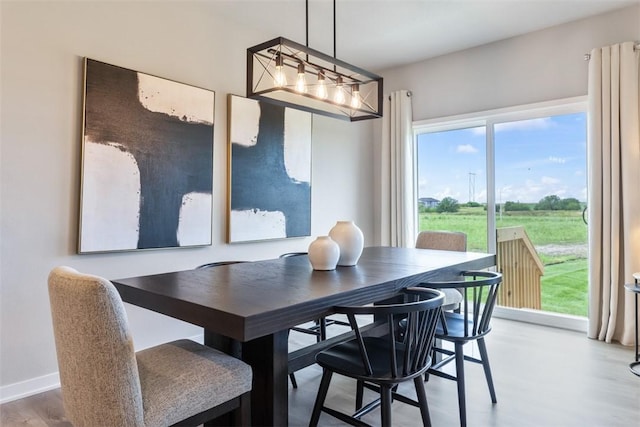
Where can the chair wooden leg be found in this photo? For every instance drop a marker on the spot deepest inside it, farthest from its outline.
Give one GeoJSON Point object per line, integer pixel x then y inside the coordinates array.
{"type": "Point", "coordinates": [487, 368]}
{"type": "Point", "coordinates": [437, 356]}
{"type": "Point", "coordinates": [359, 395]}
{"type": "Point", "coordinates": [242, 415]}
{"type": "Point", "coordinates": [422, 400]}
{"type": "Point", "coordinates": [385, 413]}
{"type": "Point", "coordinates": [292, 376]}
{"type": "Point", "coordinates": [235, 412]}
{"type": "Point", "coordinates": [323, 329]}
{"type": "Point", "coordinates": [322, 394]}
{"type": "Point", "coordinates": [462, 407]}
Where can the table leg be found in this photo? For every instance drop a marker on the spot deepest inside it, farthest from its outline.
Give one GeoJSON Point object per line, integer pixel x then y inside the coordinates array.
{"type": "Point", "coordinates": [268, 357]}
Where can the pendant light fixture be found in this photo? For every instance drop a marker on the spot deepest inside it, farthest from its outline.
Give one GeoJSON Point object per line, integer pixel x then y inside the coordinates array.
{"type": "Point", "coordinates": [287, 73]}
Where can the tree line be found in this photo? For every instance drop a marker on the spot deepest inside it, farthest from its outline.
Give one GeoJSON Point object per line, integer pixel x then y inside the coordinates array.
{"type": "Point", "coordinates": [547, 203]}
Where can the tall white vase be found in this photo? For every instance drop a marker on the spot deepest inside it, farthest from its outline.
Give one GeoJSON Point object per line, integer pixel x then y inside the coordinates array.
{"type": "Point", "coordinates": [351, 241]}
{"type": "Point", "coordinates": [324, 253]}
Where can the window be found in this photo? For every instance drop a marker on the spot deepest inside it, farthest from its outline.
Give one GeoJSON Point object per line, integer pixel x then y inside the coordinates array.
{"type": "Point", "coordinates": [515, 181]}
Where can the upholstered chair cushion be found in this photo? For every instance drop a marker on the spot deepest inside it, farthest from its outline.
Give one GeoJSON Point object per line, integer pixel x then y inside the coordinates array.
{"type": "Point", "coordinates": [183, 378]}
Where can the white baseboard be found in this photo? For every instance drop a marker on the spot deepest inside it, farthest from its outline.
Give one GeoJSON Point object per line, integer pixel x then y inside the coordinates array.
{"type": "Point", "coordinates": [544, 318]}
{"type": "Point", "coordinates": [29, 387]}
{"type": "Point", "coordinates": [15, 391]}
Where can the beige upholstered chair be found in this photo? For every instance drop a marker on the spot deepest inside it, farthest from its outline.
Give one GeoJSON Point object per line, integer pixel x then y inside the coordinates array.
{"type": "Point", "coordinates": [106, 383]}
{"type": "Point", "coordinates": [443, 240]}
{"type": "Point", "coordinates": [446, 241]}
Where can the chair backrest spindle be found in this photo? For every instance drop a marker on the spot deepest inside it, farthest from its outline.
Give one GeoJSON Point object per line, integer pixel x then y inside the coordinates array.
{"type": "Point", "coordinates": [480, 292]}
{"type": "Point", "coordinates": [412, 353]}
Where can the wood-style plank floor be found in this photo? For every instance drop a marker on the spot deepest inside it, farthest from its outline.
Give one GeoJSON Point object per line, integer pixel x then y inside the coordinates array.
{"type": "Point", "coordinates": [543, 377]}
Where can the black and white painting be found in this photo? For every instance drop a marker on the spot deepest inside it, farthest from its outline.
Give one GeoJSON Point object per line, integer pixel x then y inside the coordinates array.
{"type": "Point", "coordinates": [147, 162]}
{"type": "Point", "coordinates": [270, 171]}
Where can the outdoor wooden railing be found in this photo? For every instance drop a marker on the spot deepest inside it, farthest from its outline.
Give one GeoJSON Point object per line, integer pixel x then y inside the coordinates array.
{"type": "Point", "coordinates": [521, 269]}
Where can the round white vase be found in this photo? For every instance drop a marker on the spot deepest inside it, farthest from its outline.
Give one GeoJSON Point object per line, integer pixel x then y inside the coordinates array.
{"type": "Point", "coordinates": [324, 253]}
{"type": "Point", "coordinates": [351, 241]}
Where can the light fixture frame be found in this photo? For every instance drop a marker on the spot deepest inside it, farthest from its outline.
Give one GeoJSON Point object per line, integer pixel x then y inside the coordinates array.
{"type": "Point", "coordinates": [260, 84]}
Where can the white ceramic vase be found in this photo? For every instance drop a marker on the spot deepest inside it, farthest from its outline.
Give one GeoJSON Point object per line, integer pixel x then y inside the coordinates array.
{"type": "Point", "coordinates": [324, 253]}
{"type": "Point", "coordinates": [351, 241]}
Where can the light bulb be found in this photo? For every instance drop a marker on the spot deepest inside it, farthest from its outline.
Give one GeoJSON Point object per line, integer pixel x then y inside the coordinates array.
{"type": "Point", "coordinates": [338, 96]}
{"type": "Point", "coordinates": [321, 90]}
{"type": "Point", "coordinates": [301, 83]}
{"type": "Point", "coordinates": [355, 96]}
{"type": "Point", "coordinates": [279, 79]}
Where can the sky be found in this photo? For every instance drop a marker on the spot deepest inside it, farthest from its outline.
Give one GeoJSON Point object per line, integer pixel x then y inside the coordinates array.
{"type": "Point", "coordinates": [534, 158]}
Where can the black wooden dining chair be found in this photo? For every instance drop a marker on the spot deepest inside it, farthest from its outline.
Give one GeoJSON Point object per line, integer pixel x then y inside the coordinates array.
{"type": "Point", "coordinates": [292, 376]}
{"type": "Point", "coordinates": [319, 327]}
{"type": "Point", "coordinates": [383, 362]}
{"type": "Point", "coordinates": [472, 323]}
{"type": "Point", "coordinates": [218, 263]}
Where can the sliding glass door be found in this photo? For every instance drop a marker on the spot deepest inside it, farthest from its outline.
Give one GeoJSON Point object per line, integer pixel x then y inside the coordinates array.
{"type": "Point", "coordinates": [516, 183]}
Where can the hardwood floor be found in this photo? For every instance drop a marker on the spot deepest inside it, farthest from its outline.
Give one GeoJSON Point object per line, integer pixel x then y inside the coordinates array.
{"type": "Point", "coordinates": [543, 377]}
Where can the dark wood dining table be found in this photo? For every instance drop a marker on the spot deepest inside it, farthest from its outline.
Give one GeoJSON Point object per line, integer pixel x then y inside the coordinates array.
{"type": "Point", "coordinates": [246, 309]}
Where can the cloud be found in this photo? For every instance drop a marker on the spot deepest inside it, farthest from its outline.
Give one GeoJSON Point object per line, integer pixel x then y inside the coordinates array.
{"type": "Point", "coordinates": [466, 148]}
{"type": "Point", "coordinates": [560, 160]}
{"type": "Point", "coordinates": [538, 162]}
{"type": "Point", "coordinates": [547, 180]}
{"type": "Point", "coordinates": [535, 190]}
{"type": "Point", "coordinates": [423, 186]}
{"type": "Point", "coordinates": [447, 192]}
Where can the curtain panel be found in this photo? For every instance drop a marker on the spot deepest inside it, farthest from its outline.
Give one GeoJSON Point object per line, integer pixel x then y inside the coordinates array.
{"type": "Point", "coordinates": [613, 153]}
{"type": "Point", "coordinates": [398, 213]}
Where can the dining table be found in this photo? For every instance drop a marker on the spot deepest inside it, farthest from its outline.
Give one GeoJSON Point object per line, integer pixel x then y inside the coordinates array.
{"type": "Point", "coordinates": [247, 309]}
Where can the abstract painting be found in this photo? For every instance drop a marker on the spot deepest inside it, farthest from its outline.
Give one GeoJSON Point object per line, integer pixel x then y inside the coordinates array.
{"type": "Point", "coordinates": [147, 162]}
{"type": "Point", "coordinates": [269, 171]}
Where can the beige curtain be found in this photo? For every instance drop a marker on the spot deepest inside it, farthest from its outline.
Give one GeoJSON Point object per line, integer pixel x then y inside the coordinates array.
{"type": "Point", "coordinates": [614, 189]}
{"type": "Point", "coordinates": [398, 214]}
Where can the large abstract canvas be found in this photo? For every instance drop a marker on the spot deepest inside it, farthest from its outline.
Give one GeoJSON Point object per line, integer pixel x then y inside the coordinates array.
{"type": "Point", "coordinates": [269, 171]}
{"type": "Point", "coordinates": [147, 162]}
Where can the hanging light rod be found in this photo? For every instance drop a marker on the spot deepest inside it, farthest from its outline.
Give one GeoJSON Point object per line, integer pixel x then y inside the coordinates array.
{"type": "Point", "coordinates": [293, 75]}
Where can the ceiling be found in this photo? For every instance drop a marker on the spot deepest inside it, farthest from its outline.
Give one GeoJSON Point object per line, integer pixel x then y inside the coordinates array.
{"type": "Point", "coordinates": [378, 34]}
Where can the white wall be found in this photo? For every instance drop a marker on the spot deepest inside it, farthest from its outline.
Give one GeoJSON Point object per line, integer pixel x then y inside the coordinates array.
{"type": "Point", "coordinates": [41, 112]}
{"type": "Point", "coordinates": [540, 66]}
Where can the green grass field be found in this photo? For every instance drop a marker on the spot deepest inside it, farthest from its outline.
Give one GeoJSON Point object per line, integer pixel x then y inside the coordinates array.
{"type": "Point", "coordinates": [559, 236]}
